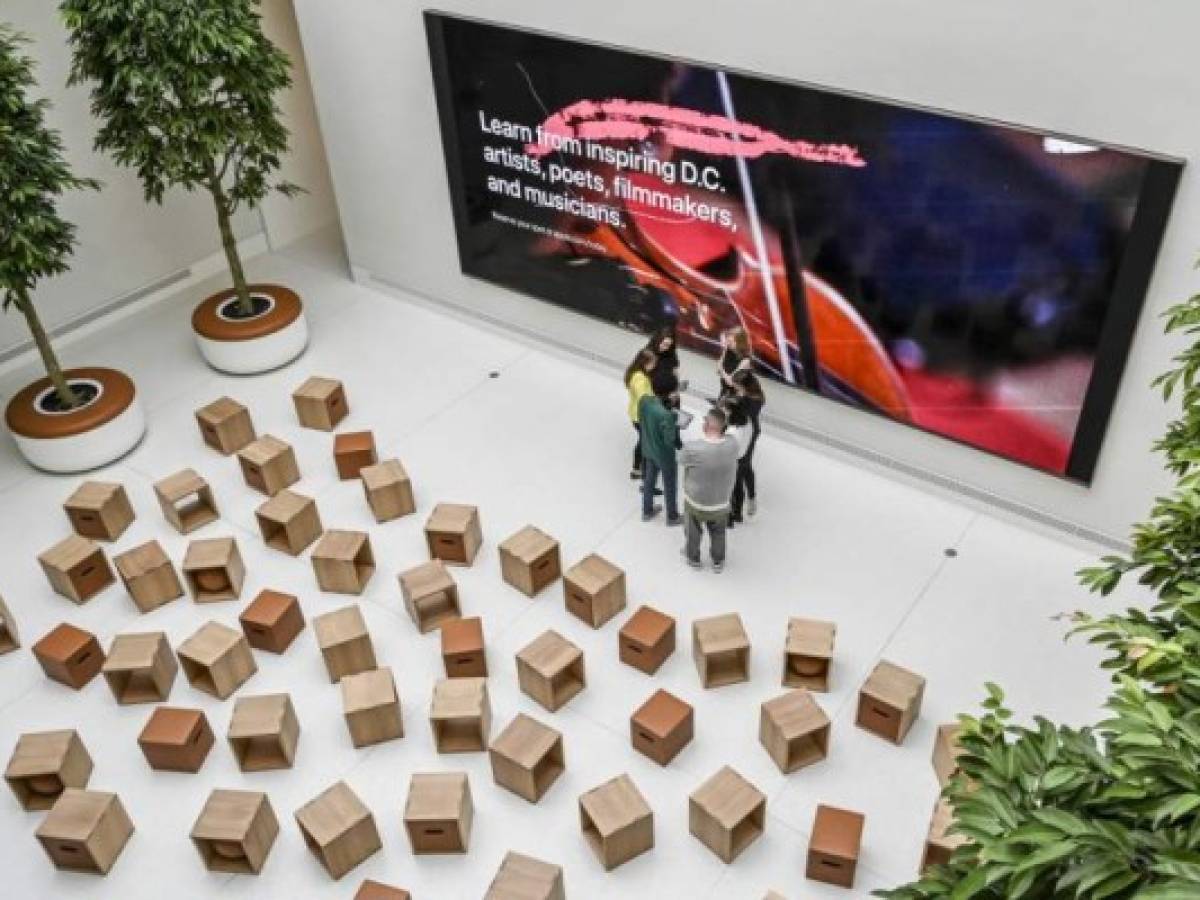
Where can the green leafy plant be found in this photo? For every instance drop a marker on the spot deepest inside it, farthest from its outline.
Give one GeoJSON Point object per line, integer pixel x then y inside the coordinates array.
{"type": "Point", "coordinates": [185, 91]}
{"type": "Point", "coordinates": [35, 241]}
{"type": "Point", "coordinates": [1110, 811]}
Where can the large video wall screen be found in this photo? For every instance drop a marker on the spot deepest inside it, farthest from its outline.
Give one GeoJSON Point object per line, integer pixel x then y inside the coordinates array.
{"type": "Point", "coordinates": [975, 280]}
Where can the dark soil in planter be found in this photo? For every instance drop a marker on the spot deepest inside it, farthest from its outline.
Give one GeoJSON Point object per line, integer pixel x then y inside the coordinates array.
{"type": "Point", "coordinates": [85, 393]}
{"type": "Point", "coordinates": [232, 309]}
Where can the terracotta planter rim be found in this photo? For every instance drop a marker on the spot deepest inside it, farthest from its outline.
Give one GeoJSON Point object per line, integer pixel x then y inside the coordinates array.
{"type": "Point", "coordinates": [117, 394]}
{"type": "Point", "coordinates": [286, 308]}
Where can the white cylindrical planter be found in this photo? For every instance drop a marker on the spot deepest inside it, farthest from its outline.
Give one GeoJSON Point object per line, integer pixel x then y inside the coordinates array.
{"type": "Point", "coordinates": [272, 336]}
{"type": "Point", "coordinates": [104, 429]}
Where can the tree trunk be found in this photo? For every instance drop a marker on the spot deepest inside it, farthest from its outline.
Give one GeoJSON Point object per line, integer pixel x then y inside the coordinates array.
{"type": "Point", "coordinates": [66, 396]}
{"type": "Point", "coordinates": [229, 242]}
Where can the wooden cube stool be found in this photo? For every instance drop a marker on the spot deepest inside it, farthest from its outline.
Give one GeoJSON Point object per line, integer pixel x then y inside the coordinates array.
{"type": "Point", "coordinates": [345, 642]}
{"type": "Point", "coordinates": [439, 812]}
{"type": "Point", "coordinates": [187, 501]}
{"type": "Point", "coordinates": [264, 732]}
{"type": "Point", "coordinates": [522, 877]}
{"type": "Point", "coordinates": [460, 715]}
{"type": "Point", "coordinates": [268, 465]}
{"type": "Point", "coordinates": [176, 740]}
{"type": "Point", "coordinates": [372, 707]}
{"type": "Point", "coordinates": [617, 822]}
{"type": "Point", "coordinates": [99, 510]}
{"type": "Point", "coordinates": [453, 533]}
{"type": "Point", "coordinates": [339, 829]}
{"type": "Point", "coordinates": [343, 561]}
{"type": "Point", "coordinates": [550, 670]}
{"type": "Point", "coordinates": [727, 814]}
{"type": "Point", "coordinates": [661, 727]}
{"type": "Point", "coordinates": [463, 652]}
{"type": "Point", "coordinates": [646, 639]}
{"type": "Point", "coordinates": [76, 568]}
{"type": "Point", "coordinates": [890, 702]}
{"type": "Point", "coordinates": [939, 844]}
{"type": "Point", "coordinates": [140, 668]}
{"type": "Point", "coordinates": [353, 451]}
{"type": "Point", "coordinates": [235, 831]}
{"type": "Point", "coordinates": [430, 595]}
{"type": "Point", "coordinates": [807, 654]}
{"type": "Point", "coordinates": [794, 730]}
{"type": "Point", "coordinates": [946, 751]}
{"type": "Point", "coordinates": [10, 638]}
{"type": "Point", "coordinates": [321, 403]}
{"type": "Point", "coordinates": [377, 890]}
{"type": "Point", "coordinates": [85, 831]}
{"type": "Point", "coordinates": [149, 576]}
{"type": "Point", "coordinates": [527, 757]}
{"type": "Point", "coordinates": [530, 560]}
{"type": "Point", "coordinates": [388, 489]}
{"type": "Point", "coordinates": [46, 763]}
{"type": "Point", "coordinates": [225, 425]}
{"type": "Point", "coordinates": [214, 570]}
{"type": "Point", "coordinates": [594, 590]}
{"type": "Point", "coordinates": [289, 522]}
{"type": "Point", "coordinates": [721, 650]}
{"type": "Point", "coordinates": [272, 621]}
{"type": "Point", "coordinates": [834, 846]}
{"type": "Point", "coordinates": [69, 655]}
{"type": "Point", "coordinates": [216, 660]}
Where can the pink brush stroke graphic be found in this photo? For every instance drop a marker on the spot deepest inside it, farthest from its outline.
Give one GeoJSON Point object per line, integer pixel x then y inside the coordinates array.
{"type": "Point", "coordinates": [684, 129]}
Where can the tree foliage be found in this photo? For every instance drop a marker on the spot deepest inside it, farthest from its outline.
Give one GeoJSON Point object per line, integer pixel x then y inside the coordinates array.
{"type": "Point", "coordinates": [1111, 811]}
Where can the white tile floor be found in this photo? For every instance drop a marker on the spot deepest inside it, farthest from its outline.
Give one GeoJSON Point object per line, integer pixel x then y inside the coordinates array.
{"type": "Point", "coordinates": [544, 442]}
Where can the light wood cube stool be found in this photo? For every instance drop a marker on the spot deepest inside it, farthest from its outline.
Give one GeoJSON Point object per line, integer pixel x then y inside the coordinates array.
{"type": "Point", "coordinates": [371, 707]}
{"type": "Point", "coordinates": [213, 570]}
{"type": "Point", "coordinates": [216, 660]}
{"type": "Point", "coordinates": [617, 822]}
{"type": "Point", "coordinates": [463, 652]}
{"type": "Point", "coordinates": [225, 425]}
{"type": "Point", "coordinates": [345, 642]}
{"type": "Point", "coordinates": [430, 595]}
{"type": "Point", "coordinates": [99, 510]}
{"type": "Point", "coordinates": [289, 522]}
{"type": "Point", "coordinates": [890, 702]}
{"type": "Point", "coordinates": [339, 829]}
{"type": "Point", "coordinates": [149, 576]}
{"type": "Point", "coordinates": [439, 813]}
{"type": "Point", "coordinates": [187, 501]}
{"type": "Point", "coordinates": [77, 569]}
{"type": "Point", "coordinates": [69, 655]}
{"type": "Point", "coordinates": [10, 637]}
{"type": "Point", "coordinates": [272, 621]}
{"type": "Point", "coordinates": [140, 668]}
{"type": "Point", "coordinates": [721, 650]}
{"type": "Point", "coordinates": [794, 730]}
{"type": "Point", "coordinates": [235, 832]}
{"type": "Point", "coordinates": [353, 451]}
{"type": "Point", "coordinates": [268, 465]}
{"type": "Point", "coordinates": [807, 654]}
{"type": "Point", "coordinates": [661, 727]}
{"type": "Point", "coordinates": [377, 890]}
{"type": "Point", "coordinates": [453, 533]}
{"type": "Point", "coordinates": [388, 489]}
{"type": "Point", "coordinates": [727, 814]}
{"type": "Point", "coordinates": [460, 715]}
{"type": "Point", "coordinates": [550, 670]}
{"type": "Point", "coordinates": [522, 877]}
{"type": "Point", "coordinates": [646, 639]}
{"type": "Point", "coordinates": [834, 846]}
{"type": "Point", "coordinates": [176, 740]}
{"type": "Point", "coordinates": [46, 763]}
{"type": "Point", "coordinates": [939, 844]}
{"type": "Point", "coordinates": [85, 831]}
{"type": "Point", "coordinates": [343, 561]}
{"type": "Point", "coordinates": [527, 757]}
{"type": "Point", "coordinates": [321, 403]}
{"type": "Point", "coordinates": [264, 732]}
{"type": "Point", "coordinates": [530, 560]}
{"type": "Point", "coordinates": [594, 590]}
{"type": "Point", "coordinates": [946, 751]}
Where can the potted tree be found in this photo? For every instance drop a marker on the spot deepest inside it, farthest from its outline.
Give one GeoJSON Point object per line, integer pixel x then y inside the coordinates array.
{"type": "Point", "coordinates": [186, 96]}
{"type": "Point", "coordinates": [72, 419]}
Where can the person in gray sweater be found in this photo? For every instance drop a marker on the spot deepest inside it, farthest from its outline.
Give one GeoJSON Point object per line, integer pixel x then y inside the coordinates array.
{"type": "Point", "coordinates": [709, 470]}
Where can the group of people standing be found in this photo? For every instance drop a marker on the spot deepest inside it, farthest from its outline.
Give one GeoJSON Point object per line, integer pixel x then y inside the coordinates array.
{"type": "Point", "coordinates": [718, 467]}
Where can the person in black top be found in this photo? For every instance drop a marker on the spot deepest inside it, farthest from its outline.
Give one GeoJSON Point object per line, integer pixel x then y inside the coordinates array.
{"type": "Point", "coordinates": [665, 377]}
{"type": "Point", "coordinates": [735, 357]}
{"type": "Point", "coordinates": [746, 404]}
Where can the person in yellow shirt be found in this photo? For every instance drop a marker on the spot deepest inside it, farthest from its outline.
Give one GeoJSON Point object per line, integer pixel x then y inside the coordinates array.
{"type": "Point", "coordinates": [637, 382]}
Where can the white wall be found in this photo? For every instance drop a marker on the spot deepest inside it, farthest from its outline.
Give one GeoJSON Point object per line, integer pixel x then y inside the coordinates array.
{"type": "Point", "coordinates": [1110, 70]}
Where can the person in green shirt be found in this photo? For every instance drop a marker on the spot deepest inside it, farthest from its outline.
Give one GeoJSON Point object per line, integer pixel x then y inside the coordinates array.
{"type": "Point", "coordinates": [660, 435]}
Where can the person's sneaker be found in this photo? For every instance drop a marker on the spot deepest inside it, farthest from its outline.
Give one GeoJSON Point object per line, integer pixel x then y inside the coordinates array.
{"type": "Point", "coordinates": [635, 474]}
{"type": "Point", "coordinates": [657, 491]}
{"type": "Point", "coordinates": [718, 567]}
{"type": "Point", "coordinates": [751, 506]}
{"type": "Point", "coordinates": [674, 520]}
{"type": "Point", "coordinates": [694, 563]}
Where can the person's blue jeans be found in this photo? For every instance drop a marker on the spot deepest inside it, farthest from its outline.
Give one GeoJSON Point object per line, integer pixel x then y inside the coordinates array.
{"type": "Point", "coordinates": [670, 477]}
